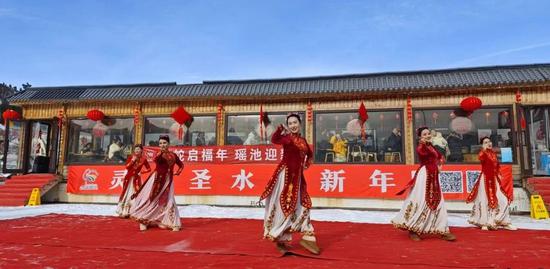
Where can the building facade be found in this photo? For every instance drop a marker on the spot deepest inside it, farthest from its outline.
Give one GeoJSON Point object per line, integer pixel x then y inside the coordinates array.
{"type": "Point", "coordinates": [227, 150]}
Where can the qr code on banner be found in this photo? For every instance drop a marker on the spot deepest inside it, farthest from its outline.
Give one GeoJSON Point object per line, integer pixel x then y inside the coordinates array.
{"type": "Point", "coordinates": [451, 181]}
{"type": "Point", "coordinates": [471, 178]}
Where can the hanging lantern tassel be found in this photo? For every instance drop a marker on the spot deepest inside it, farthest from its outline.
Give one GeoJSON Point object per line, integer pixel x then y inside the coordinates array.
{"type": "Point", "coordinates": [363, 132]}
{"type": "Point", "coordinates": [261, 123]}
{"type": "Point", "coordinates": [180, 132]}
{"type": "Point", "coordinates": [261, 132]}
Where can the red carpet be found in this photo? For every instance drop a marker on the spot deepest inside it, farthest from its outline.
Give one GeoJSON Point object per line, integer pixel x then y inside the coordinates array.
{"type": "Point", "coordinates": [62, 241]}
{"type": "Point", "coordinates": [541, 186]}
{"type": "Point", "coordinates": [17, 189]}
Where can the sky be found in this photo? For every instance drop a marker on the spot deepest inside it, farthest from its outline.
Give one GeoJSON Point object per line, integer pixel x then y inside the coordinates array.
{"type": "Point", "coordinates": [77, 42]}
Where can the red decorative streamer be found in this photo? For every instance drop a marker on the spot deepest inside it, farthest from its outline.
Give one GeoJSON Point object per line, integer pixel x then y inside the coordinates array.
{"type": "Point", "coordinates": [60, 116]}
{"type": "Point", "coordinates": [136, 115]}
{"type": "Point", "coordinates": [518, 96]}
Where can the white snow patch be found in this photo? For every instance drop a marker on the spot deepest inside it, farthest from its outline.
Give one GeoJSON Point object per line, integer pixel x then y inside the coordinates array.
{"type": "Point", "coordinates": [204, 211]}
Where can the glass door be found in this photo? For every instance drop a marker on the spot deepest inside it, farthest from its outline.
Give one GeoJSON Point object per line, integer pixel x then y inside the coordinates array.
{"type": "Point", "coordinates": [14, 147]}
{"type": "Point", "coordinates": [39, 157]}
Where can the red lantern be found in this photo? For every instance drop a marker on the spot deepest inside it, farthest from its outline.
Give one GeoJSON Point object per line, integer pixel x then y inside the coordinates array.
{"type": "Point", "coordinates": [461, 125]}
{"type": "Point", "coordinates": [10, 114]}
{"type": "Point", "coordinates": [471, 104]}
{"type": "Point", "coordinates": [99, 129]}
{"type": "Point", "coordinates": [95, 115]}
{"type": "Point", "coordinates": [518, 96]}
{"type": "Point", "coordinates": [363, 117]}
{"type": "Point", "coordinates": [182, 117]}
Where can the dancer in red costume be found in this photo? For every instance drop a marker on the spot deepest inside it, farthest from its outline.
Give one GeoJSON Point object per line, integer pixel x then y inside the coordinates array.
{"type": "Point", "coordinates": [155, 203]}
{"type": "Point", "coordinates": [287, 201]}
{"type": "Point", "coordinates": [424, 210]}
{"type": "Point", "coordinates": [132, 180]}
{"type": "Point", "coordinates": [491, 208]}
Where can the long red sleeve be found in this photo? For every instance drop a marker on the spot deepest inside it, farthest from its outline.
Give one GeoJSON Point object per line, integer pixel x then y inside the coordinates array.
{"type": "Point", "coordinates": [278, 138]}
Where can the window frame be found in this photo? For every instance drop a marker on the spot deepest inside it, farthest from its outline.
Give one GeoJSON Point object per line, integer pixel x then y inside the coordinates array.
{"type": "Point", "coordinates": [512, 129]}
{"type": "Point", "coordinates": [285, 113]}
{"type": "Point", "coordinates": [403, 137]}
{"type": "Point", "coordinates": [67, 162]}
{"type": "Point", "coordinates": [143, 142]}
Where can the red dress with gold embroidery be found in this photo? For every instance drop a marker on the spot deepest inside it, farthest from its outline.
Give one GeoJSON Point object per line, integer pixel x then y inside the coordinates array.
{"type": "Point", "coordinates": [490, 169]}
{"type": "Point", "coordinates": [155, 203]}
{"type": "Point", "coordinates": [133, 169]}
{"type": "Point", "coordinates": [430, 158]}
{"type": "Point", "coordinates": [297, 155]}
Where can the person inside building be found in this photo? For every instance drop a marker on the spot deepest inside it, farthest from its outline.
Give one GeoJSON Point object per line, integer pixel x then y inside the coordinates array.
{"type": "Point", "coordinates": [200, 140]}
{"type": "Point", "coordinates": [115, 150]}
{"type": "Point", "coordinates": [440, 144]}
{"type": "Point", "coordinates": [340, 148]}
{"type": "Point", "coordinates": [41, 160]}
{"type": "Point", "coordinates": [491, 202]}
{"type": "Point", "coordinates": [454, 142]}
{"type": "Point", "coordinates": [394, 141]}
{"type": "Point", "coordinates": [287, 200]}
{"type": "Point", "coordinates": [424, 210]}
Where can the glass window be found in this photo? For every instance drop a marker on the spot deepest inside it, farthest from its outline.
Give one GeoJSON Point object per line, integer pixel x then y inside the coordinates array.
{"type": "Point", "coordinates": [538, 123]}
{"type": "Point", "coordinates": [457, 136]}
{"type": "Point", "coordinates": [16, 140]}
{"type": "Point", "coordinates": [245, 129]}
{"type": "Point", "coordinates": [202, 131]}
{"type": "Point", "coordinates": [108, 141]}
{"type": "Point", "coordinates": [338, 137]}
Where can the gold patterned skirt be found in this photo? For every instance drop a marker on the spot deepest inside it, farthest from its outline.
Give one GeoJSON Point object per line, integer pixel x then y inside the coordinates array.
{"type": "Point", "coordinates": [416, 216]}
{"type": "Point", "coordinates": [483, 215]}
{"type": "Point", "coordinates": [160, 210]}
{"type": "Point", "coordinates": [277, 227]}
{"type": "Point", "coordinates": [123, 206]}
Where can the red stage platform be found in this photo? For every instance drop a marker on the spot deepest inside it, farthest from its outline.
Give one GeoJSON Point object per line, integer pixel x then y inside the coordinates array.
{"type": "Point", "coordinates": [63, 241]}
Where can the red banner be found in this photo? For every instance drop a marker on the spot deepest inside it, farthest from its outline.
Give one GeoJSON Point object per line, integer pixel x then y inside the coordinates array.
{"type": "Point", "coordinates": [324, 180]}
{"type": "Point", "coordinates": [223, 154]}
